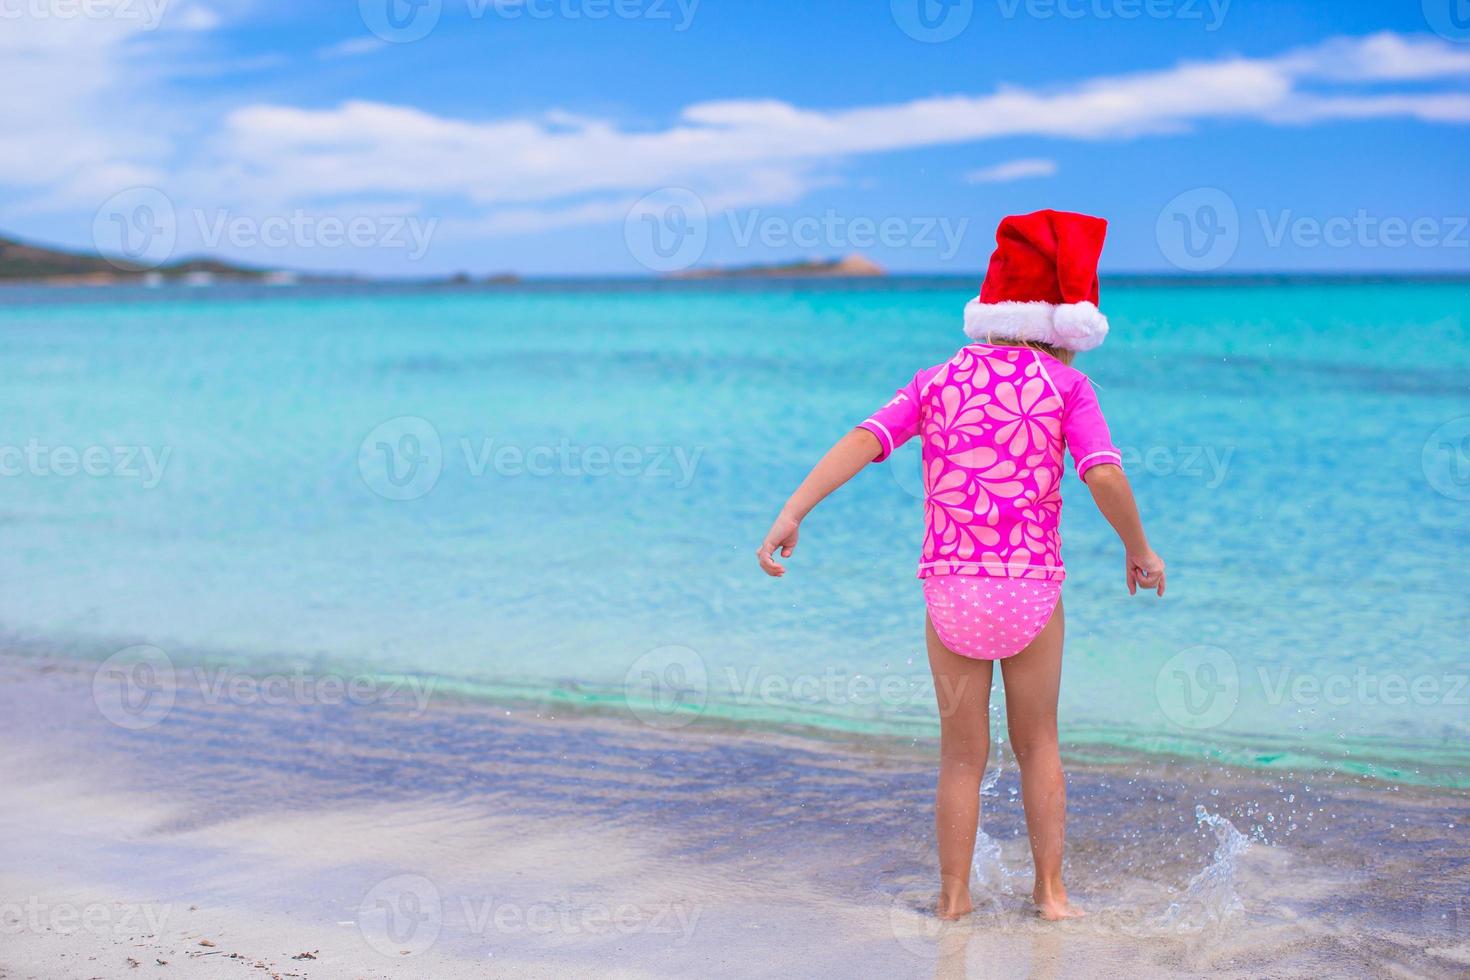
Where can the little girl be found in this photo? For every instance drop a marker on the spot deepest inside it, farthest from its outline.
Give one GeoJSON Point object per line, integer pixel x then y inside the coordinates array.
{"type": "Point", "coordinates": [993, 421]}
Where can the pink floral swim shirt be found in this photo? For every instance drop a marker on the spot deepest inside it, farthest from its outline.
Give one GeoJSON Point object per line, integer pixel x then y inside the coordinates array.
{"type": "Point", "coordinates": [994, 421]}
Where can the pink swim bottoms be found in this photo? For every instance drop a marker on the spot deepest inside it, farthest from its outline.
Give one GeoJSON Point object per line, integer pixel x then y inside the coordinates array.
{"type": "Point", "coordinates": [988, 618]}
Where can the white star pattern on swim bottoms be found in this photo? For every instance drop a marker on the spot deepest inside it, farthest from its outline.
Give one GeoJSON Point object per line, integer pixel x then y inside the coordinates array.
{"type": "Point", "coordinates": [992, 627]}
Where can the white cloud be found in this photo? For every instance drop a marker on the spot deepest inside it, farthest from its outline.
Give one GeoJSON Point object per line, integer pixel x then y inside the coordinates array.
{"type": "Point", "coordinates": [194, 17]}
{"type": "Point", "coordinates": [1012, 170]}
{"type": "Point", "coordinates": [1378, 57]}
{"type": "Point", "coordinates": [79, 109]}
{"type": "Point", "coordinates": [65, 79]}
{"type": "Point", "coordinates": [352, 47]}
{"type": "Point", "coordinates": [78, 121]}
{"type": "Point", "coordinates": [572, 168]}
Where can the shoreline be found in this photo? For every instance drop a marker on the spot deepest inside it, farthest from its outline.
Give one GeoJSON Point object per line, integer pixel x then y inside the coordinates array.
{"type": "Point", "coordinates": [612, 849]}
{"type": "Point", "coordinates": [1384, 765]}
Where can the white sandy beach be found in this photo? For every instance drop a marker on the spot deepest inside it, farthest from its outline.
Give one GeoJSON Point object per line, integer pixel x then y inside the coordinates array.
{"type": "Point", "coordinates": [472, 841]}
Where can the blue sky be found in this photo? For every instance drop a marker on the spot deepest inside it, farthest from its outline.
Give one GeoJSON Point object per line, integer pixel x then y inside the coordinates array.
{"type": "Point", "coordinates": [635, 136]}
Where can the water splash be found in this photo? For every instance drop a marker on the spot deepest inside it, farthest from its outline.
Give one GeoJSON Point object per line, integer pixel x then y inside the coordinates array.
{"type": "Point", "coordinates": [990, 878]}
{"type": "Point", "coordinates": [1210, 896]}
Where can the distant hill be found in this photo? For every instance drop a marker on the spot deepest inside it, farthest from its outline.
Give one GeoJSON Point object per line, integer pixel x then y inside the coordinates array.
{"type": "Point", "coordinates": [849, 267]}
{"type": "Point", "coordinates": [20, 261]}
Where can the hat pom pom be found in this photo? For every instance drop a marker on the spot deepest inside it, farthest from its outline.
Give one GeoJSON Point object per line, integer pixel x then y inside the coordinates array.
{"type": "Point", "coordinates": [1079, 326]}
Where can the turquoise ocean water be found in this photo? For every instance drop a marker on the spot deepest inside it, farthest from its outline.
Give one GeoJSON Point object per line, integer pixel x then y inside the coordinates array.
{"type": "Point", "coordinates": [554, 492]}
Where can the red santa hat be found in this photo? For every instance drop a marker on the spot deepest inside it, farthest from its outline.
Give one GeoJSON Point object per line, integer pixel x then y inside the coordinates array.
{"type": "Point", "coordinates": [1042, 282]}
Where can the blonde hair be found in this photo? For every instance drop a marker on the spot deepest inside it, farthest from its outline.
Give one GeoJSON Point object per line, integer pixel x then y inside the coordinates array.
{"type": "Point", "coordinates": [1060, 353]}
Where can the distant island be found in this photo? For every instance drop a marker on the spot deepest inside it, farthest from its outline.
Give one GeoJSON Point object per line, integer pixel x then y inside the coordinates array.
{"type": "Point", "coordinates": [848, 267]}
{"type": "Point", "coordinates": [21, 262]}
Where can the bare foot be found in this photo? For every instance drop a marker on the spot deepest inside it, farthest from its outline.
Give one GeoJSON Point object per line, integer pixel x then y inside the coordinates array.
{"type": "Point", "coordinates": [952, 907]}
{"type": "Point", "coordinates": [1053, 906]}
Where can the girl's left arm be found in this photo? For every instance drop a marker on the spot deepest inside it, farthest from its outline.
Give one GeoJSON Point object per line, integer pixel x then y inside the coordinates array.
{"type": "Point", "coordinates": [843, 461]}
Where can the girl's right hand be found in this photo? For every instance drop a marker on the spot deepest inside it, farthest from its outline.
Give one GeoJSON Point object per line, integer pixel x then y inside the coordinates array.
{"type": "Point", "coordinates": [1145, 569]}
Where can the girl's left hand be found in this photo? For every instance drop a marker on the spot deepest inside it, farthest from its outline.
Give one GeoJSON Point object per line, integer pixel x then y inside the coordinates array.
{"type": "Point", "coordinates": [782, 535]}
{"type": "Point", "coordinates": [1145, 569]}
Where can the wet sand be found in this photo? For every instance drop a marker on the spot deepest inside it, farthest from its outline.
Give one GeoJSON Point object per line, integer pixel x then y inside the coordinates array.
{"type": "Point", "coordinates": [465, 839]}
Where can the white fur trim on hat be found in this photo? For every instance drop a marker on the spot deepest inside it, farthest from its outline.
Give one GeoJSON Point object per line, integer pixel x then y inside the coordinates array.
{"type": "Point", "coordinates": [1074, 326]}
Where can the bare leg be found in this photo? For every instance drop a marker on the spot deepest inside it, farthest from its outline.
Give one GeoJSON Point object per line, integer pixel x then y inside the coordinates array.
{"type": "Point", "coordinates": [1032, 681]}
{"type": "Point", "coordinates": [962, 686]}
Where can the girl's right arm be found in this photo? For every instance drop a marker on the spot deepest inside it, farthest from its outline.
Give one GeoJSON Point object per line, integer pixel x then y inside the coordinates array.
{"type": "Point", "coordinates": [843, 461]}
{"type": "Point", "coordinates": [1114, 498]}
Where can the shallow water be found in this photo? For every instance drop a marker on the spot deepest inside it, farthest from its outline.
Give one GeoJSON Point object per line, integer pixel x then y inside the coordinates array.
{"type": "Point", "coordinates": [573, 520]}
